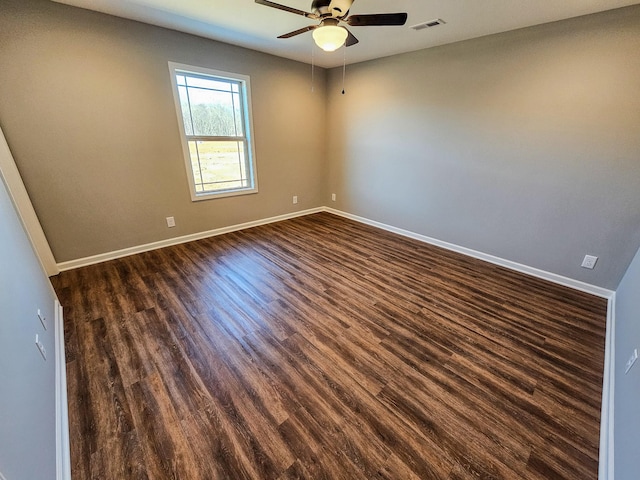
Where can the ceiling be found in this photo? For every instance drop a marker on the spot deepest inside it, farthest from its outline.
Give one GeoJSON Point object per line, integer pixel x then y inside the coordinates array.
{"type": "Point", "coordinates": [245, 23]}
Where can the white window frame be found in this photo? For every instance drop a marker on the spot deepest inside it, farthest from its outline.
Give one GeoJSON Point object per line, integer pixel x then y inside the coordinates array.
{"type": "Point", "coordinates": [245, 95]}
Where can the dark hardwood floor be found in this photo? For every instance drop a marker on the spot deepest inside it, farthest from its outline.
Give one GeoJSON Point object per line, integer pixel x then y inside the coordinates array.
{"type": "Point", "coordinates": [320, 348]}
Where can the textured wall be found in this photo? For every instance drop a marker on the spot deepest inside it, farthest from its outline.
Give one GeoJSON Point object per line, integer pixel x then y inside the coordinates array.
{"type": "Point", "coordinates": [88, 112]}
{"type": "Point", "coordinates": [522, 145]}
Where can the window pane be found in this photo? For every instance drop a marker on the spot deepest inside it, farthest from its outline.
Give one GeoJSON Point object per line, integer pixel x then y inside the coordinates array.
{"type": "Point", "coordinates": [186, 112]}
{"type": "Point", "coordinates": [212, 112]}
{"type": "Point", "coordinates": [237, 112]}
{"type": "Point", "coordinates": [218, 165]}
{"type": "Point", "coordinates": [209, 84]}
{"type": "Point", "coordinates": [195, 162]}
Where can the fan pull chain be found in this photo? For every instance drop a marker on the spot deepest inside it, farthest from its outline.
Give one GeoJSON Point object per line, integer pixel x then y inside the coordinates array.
{"type": "Point", "coordinates": [344, 66]}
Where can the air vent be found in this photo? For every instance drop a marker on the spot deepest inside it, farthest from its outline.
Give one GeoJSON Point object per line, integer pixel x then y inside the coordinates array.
{"type": "Point", "coordinates": [429, 24]}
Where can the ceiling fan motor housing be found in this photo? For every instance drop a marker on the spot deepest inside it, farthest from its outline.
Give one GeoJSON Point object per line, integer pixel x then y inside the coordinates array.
{"type": "Point", "coordinates": [335, 8]}
{"type": "Point", "coordinates": [339, 8]}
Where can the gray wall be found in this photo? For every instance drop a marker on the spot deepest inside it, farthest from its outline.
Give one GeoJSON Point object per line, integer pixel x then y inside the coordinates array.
{"type": "Point", "coordinates": [627, 387]}
{"type": "Point", "coordinates": [523, 145]}
{"type": "Point", "coordinates": [87, 109]}
{"type": "Point", "coordinates": [27, 382]}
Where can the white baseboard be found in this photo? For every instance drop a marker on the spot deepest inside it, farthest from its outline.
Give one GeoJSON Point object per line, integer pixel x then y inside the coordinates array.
{"type": "Point", "coordinates": [518, 267]}
{"type": "Point", "coordinates": [104, 257]}
{"type": "Point", "coordinates": [552, 277]}
{"type": "Point", "coordinates": [606, 464]}
{"type": "Point", "coordinates": [63, 457]}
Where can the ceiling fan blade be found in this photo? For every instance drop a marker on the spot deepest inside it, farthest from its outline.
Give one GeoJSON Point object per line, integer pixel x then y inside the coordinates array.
{"type": "Point", "coordinates": [351, 39]}
{"type": "Point", "coordinates": [379, 19]}
{"type": "Point", "coordinates": [298, 32]}
{"type": "Point", "coordinates": [267, 3]}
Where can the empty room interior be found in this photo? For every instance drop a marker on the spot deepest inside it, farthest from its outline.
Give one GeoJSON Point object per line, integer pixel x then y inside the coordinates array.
{"type": "Point", "coordinates": [411, 251]}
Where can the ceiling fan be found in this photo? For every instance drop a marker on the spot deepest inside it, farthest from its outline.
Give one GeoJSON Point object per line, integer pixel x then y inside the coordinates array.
{"type": "Point", "coordinates": [328, 34]}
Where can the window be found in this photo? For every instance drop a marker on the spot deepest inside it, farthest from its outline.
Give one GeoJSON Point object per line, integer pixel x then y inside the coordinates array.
{"type": "Point", "coordinates": [214, 114]}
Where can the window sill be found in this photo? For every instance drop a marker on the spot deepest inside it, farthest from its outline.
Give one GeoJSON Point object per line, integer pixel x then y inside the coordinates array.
{"type": "Point", "coordinates": [225, 194]}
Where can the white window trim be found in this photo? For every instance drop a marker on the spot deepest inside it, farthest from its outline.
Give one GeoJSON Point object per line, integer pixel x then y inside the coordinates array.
{"type": "Point", "coordinates": [246, 90]}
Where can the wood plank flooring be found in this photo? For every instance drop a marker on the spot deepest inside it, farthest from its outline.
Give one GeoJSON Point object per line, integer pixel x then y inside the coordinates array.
{"type": "Point", "coordinates": [320, 348]}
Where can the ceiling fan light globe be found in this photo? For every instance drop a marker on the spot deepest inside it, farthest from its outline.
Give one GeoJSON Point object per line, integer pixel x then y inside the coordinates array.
{"type": "Point", "coordinates": [330, 37]}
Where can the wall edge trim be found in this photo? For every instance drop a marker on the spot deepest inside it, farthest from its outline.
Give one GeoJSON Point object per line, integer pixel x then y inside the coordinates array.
{"type": "Point", "coordinates": [606, 452]}
{"type": "Point", "coordinates": [125, 252]}
{"type": "Point", "coordinates": [17, 191]}
{"type": "Point", "coordinates": [63, 446]}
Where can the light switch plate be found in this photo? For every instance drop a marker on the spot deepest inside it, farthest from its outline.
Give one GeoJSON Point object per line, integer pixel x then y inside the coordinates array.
{"type": "Point", "coordinates": [40, 346]}
{"type": "Point", "coordinates": [43, 319]}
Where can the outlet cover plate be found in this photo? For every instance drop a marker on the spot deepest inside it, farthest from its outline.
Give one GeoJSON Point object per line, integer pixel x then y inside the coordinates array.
{"type": "Point", "coordinates": [589, 262]}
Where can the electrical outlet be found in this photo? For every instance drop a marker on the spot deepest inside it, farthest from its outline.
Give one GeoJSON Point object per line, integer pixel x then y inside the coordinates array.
{"type": "Point", "coordinates": [43, 320]}
{"type": "Point", "coordinates": [589, 261]}
{"type": "Point", "coordinates": [171, 222]}
{"type": "Point", "coordinates": [333, 197]}
{"type": "Point", "coordinates": [631, 361]}
{"type": "Point", "coordinates": [295, 199]}
{"type": "Point", "coordinates": [40, 346]}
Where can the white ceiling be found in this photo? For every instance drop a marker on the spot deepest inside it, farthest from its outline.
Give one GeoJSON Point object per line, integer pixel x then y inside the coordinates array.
{"type": "Point", "coordinates": [245, 23]}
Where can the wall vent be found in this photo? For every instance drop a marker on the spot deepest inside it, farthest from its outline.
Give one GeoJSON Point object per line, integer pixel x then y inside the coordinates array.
{"type": "Point", "coordinates": [429, 24]}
